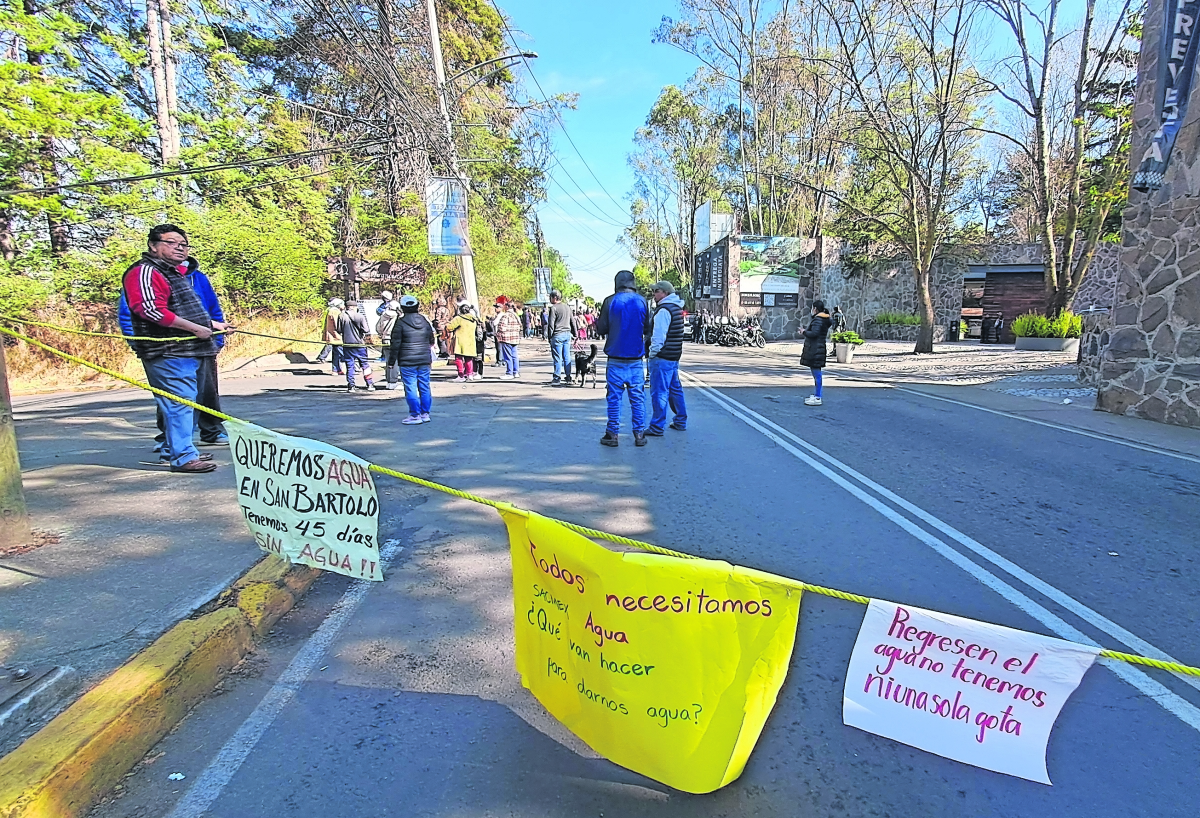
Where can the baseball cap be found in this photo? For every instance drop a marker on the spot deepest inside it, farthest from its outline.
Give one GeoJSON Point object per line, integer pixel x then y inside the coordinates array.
{"type": "Point", "coordinates": [664, 287]}
{"type": "Point", "coordinates": [408, 301]}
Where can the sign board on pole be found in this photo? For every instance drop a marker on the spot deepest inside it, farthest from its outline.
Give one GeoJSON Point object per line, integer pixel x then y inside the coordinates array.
{"type": "Point", "coordinates": [446, 216]}
{"type": "Point", "coordinates": [703, 226]}
{"type": "Point", "coordinates": [981, 694]}
{"type": "Point", "coordinates": [541, 284]}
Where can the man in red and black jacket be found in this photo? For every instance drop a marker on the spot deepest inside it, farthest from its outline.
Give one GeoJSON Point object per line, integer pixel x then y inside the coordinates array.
{"type": "Point", "coordinates": [163, 305]}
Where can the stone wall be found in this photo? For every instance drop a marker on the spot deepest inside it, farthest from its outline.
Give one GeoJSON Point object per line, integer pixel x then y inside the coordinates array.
{"type": "Point", "coordinates": [1150, 364]}
{"type": "Point", "coordinates": [864, 288]}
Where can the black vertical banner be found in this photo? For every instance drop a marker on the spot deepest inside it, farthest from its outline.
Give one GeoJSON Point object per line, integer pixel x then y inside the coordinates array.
{"type": "Point", "coordinates": [1176, 67]}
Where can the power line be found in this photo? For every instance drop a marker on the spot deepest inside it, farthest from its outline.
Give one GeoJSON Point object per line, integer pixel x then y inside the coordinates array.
{"type": "Point", "coordinates": [512, 39]}
{"type": "Point", "coordinates": [164, 174]}
{"type": "Point", "coordinates": [583, 204]}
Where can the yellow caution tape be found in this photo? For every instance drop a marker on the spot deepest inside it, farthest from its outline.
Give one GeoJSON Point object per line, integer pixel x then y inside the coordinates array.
{"type": "Point", "coordinates": [1173, 667]}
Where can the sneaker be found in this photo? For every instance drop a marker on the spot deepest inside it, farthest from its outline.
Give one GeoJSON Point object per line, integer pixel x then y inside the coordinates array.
{"type": "Point", "coordinates": [678, 428]}
{"type": "Point", "coordinates": [392, 387]}
{"type": "Point", "coordinates": [517, 375]}
{"type": "Point", "coordinates": [652, 432]}
{"type": "Point", "coordinates": [425, 417]}
{"type": "Point", "coordinates": [553, 381]}
{"type": "Point", "coordinates": [506, 377]}
{"type": "Point", "coordinates": [812, 400]}
{"type": "Point", "coordinates": [459, 379]}
{"type": "Point", "coordinates": [609, 439]}
{"type": "Point", "coordinates": [639, 438]}
{"type": "Point", "coordinates": [338, 372]}
{"type": "Point", "coordinates": [350, 388]}
{"type": "Point", "coordinates": [412, 420]}
{"type": "Point", "coordinates": [475, 378]}
{"type": "Point", "coordinates": [370, 387]}
{"type": "Point", "coordinates": [220, 440]}
{"type": "Point", "coordinates": [158, 447]}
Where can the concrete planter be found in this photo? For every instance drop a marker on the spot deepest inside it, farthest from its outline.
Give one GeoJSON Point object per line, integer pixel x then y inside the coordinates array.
{"type": "Point", "coordinates": [845, 353]}
{"type": "Point", "coordinates": [1048, 344]}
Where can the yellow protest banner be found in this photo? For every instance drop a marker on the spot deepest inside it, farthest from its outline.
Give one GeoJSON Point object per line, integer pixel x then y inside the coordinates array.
{"type": "Point", "coordinates": [663, 665]}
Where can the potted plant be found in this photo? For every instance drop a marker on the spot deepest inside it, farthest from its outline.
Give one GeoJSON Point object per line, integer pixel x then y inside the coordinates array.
{"type": "Point", "coordinates": [844, 343]}
{"type": "Point", "coordinates": [1037, 332]}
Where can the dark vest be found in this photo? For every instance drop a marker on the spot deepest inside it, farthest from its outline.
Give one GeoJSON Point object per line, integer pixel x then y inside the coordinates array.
{"type": "Point", "coordinates": [672, 348]}
{"type": "Point", "coordinates": [182, 301]}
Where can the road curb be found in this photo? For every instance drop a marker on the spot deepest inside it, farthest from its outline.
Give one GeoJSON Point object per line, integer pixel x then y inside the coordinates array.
{"type": "Point", "coordinates": [70, 763]}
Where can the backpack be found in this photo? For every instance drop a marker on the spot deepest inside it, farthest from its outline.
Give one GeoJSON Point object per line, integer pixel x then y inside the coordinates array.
{"type": "Point", "coordinates": [480, 334]}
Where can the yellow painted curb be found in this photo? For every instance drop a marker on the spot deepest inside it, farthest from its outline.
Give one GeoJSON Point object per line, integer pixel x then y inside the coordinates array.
{"type": "Point", "coordinates": [263, 605]}
{"type": "Point", "coordinates": [74, 760]}
{"type": "Point", "coordinates": [80, 755]}
{"type": "Point", "coordinates": [270, 569]}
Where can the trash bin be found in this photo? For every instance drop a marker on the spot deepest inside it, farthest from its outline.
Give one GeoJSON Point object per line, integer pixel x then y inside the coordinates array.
{"type": "Point", "coordinates": [952, 331]}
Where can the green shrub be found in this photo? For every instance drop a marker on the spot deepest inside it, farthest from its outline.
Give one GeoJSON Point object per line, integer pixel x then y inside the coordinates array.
{"type": "Point", "coordinates": [846, 337]}
{"type": "Point", "coordinates": [1032, 325]}
{"type": "Point", "coordinates": [1066, 325]}
{"type": "Point", "coordinates": [897, 318]}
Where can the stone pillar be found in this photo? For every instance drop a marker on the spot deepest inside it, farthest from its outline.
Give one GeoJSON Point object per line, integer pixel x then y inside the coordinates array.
{"type": "Point", "coordinates": [1150, 364]}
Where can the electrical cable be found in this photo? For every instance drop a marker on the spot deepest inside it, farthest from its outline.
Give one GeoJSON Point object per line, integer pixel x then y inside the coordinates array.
{"type": "Point", "coordinates": [189, 171]}
{"type": "Point", "coordinates": [562, 123]}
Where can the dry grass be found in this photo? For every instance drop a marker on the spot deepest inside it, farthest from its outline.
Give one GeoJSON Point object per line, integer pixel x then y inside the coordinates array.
{"type": "Point", "coordinates": [32, 370]}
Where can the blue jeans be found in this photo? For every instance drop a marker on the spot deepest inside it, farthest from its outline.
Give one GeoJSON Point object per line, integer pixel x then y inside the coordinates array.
{"type": "Point", "coordinates": [416, 389]}
{"type": "Point", "coordinates": [510, 356]}
{"type": "Point", "coordinates": [618, 377]}
{"type": "Point", "coordinates": [177, 376]}
{"type": "Point", "coordinates": [351, 357]}
{"type": "Point", "coordinates": [665, 388]}
{"type": "Point", "coordinates": [560, 350]}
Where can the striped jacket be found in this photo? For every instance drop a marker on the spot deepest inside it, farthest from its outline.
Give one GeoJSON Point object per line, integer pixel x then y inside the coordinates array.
{"type": "Point", "coordinates": [157, 293]}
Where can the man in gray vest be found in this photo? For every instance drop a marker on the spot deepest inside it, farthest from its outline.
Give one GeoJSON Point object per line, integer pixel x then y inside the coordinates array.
{"type": "Point", "coordinates": [666, 347]}
{"type": "Point", "coordinates": [163, 304]}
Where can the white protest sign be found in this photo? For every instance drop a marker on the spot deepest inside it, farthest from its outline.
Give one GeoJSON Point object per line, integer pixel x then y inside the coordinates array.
{"type": "Point", "coordinates": [307, 501]}
{"type": "Point", "coordinates": [981, 694]}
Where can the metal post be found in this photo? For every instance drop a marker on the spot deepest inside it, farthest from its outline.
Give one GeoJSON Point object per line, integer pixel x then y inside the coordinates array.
{"type": "Point", "coordinates": [14, 518]}
{"type": "Point", "coordinates": [466, 264]}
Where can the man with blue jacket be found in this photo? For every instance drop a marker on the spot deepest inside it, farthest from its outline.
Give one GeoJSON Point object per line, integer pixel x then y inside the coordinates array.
{"type": "Point", "coordinates": [624, 321]}
{"type": "Point", "coordinates": [212, 431]}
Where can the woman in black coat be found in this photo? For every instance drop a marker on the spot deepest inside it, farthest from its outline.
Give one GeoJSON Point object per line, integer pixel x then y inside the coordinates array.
{"type": "Point", "coordinates": [813, 355]}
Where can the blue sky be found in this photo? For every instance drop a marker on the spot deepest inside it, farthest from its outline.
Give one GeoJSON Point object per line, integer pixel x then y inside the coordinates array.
{"type": "Point", "coordinates": [601, 51]}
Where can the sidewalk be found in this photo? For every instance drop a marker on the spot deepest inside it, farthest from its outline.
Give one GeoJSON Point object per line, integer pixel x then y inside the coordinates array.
{"type": "Point", "coordinates": [135, 549]}
{"type": "Point", "coordinates": [1035, 386]}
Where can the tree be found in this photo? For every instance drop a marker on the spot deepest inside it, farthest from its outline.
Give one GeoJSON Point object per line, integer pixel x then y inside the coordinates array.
{"type": "Point", "coordinates": [915, 99]}
{"type": "Point", "coordinates": [1082, 141]}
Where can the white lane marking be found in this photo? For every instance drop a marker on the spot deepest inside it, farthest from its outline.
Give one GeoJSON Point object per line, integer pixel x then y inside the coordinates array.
{"type": "Point", "coordinates": [1049, 591]}
{"type": "Point", "coordinates": [1060, 427]}
{"type": "Point", "coordinates": [217, 775]}
{"type": "Point", "coordinates": [1184, 710]}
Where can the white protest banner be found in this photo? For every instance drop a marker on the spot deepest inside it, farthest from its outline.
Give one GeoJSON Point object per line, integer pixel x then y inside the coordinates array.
{"type": "Point", "coordinates": [306, 500]}
{"type": "Point", "coordinates": [981, 694]}
{"type": "Point", "coordinates": [446, 216]}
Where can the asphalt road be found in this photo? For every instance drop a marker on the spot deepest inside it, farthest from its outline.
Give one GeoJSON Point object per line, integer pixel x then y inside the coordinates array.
{"type": "Point", "coordinates": [402, 699]}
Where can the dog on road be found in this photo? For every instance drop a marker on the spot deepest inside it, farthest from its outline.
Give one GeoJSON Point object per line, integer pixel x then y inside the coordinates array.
{"type": "Point", "coordinates": [585, 364]}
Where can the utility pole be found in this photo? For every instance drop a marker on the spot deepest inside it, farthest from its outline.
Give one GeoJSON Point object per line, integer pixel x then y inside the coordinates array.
{"type": "Point", "coordinates": [14, 518]}
{"type": "Point", "coordinates": [537, 234]}
{"type": "Point", "coordinates": [466, 263]}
